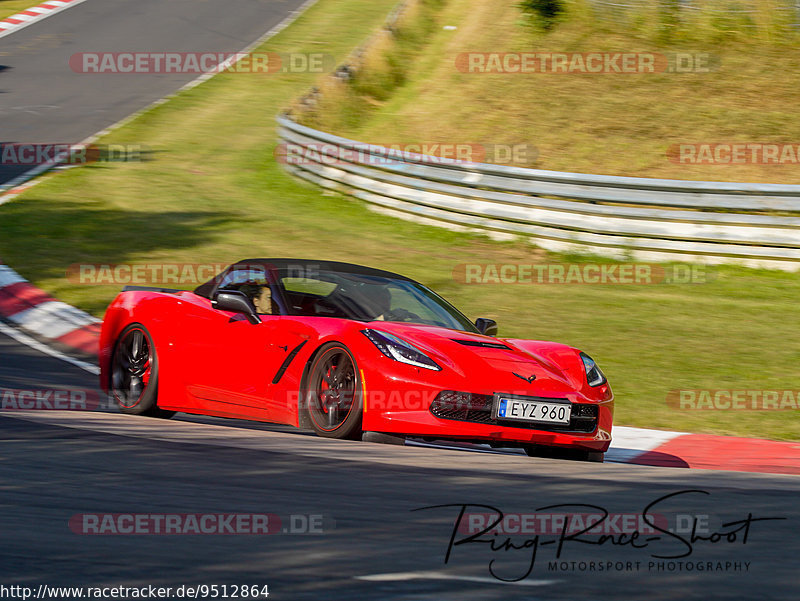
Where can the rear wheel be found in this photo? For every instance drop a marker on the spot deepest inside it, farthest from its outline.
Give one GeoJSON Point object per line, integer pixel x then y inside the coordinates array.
{"type": "Point", "coordinates": [134, 373]}
{"type": "Point", "coordinates": [533, 450]}
{"type": "Point", "coordinates": [333, 393]}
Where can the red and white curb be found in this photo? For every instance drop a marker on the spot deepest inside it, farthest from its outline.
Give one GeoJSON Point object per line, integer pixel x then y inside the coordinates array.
{"type": "Point", "coordinates": [32, 15]}
{"type": "Point", "coordinates": [704, 451]}
{"type": "Point", "coordinates": [25, 306]}
{"type": "Point", "coordinates": [629, 444]}
{"type": "Point", "coordinates": [679, 449]}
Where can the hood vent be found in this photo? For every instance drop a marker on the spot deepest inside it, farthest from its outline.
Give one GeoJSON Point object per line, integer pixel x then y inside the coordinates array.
{"type": "Point", "coordinates": [482, 344]}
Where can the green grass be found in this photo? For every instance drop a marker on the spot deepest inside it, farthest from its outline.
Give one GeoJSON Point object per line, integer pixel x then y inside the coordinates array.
{"type": "Point", "coordinates": [707, 21]}
{"type": "Point", "coordinates": [618, 124]}
{"type": "Point", "coordinates": [214, 193]}
{"type": "Point", "coordinates": [12, 7]}
{"type": "Point", "coordinates": [380, 67]}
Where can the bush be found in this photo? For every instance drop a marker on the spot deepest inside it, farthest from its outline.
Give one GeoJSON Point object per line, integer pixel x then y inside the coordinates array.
{"type": "Point", "coordinates": [547, 11]}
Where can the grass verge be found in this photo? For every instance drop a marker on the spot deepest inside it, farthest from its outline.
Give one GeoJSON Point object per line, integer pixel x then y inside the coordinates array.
{"type": "Point", "coordinates": [740, 88]}
{"type": "Point", "coordinates": [214, 193]}
{"type": "Point", "coordinates": [12, 7]}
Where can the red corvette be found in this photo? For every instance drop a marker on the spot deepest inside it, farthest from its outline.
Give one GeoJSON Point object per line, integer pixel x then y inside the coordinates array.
{"type": "Point", "coordinates": [344, 350]}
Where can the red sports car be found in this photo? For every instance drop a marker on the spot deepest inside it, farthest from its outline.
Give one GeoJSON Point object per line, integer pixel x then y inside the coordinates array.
{"type": "Point", "coordinates": [347, 350]}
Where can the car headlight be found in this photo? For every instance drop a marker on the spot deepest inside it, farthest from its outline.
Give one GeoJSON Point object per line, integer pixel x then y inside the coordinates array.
{"type": "Point", "coordinates": [400, 350]}
{"type": "Point", "coordinates": [594, 376]}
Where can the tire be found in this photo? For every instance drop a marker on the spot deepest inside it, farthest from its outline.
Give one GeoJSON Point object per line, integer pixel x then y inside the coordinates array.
{"type": "Point", "coordinates": [134, 373]}
{"type": "Point", "coordinates": [533, 450]}
{"type": "Point", "coordinates": [332, 396]}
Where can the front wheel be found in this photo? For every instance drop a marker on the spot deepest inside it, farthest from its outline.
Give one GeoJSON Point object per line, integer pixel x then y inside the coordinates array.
{"type": "Point", "coordinates": [333, 399]}
{"type": "Point", "coordinates": [134, 373]}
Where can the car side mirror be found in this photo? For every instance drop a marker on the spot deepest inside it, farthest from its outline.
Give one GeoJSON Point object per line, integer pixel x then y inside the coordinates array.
{"type": "Point", "coordinates": [237, 302]}
{"type": "Point", "coordinates": [486, 326]}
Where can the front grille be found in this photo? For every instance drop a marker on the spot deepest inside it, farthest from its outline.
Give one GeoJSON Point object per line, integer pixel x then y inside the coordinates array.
{"type": "Point", "coordinates": [477, 408]}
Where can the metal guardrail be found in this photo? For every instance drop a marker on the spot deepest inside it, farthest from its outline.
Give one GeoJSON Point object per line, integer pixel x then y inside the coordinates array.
{"type": "Point", "coordinates": [622, 217]}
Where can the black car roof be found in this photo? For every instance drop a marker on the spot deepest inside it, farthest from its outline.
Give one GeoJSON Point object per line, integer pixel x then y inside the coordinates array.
{"type": "Point", "coordinates": [309, 265]}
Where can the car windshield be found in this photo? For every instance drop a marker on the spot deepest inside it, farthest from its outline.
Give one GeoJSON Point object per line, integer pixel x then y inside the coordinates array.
{"type": "Point", "coordinates": [368, 298]}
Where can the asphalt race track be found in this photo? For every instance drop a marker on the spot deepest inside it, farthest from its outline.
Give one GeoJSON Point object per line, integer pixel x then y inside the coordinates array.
{"type": "Point", "coordinates": [43, 101]}
{"type": "Point", "coordinates": [358, 499]}
{"type": "Point", "coordinates": [373, 544]}
{"type": "Point", "coordinates": [368, 541]}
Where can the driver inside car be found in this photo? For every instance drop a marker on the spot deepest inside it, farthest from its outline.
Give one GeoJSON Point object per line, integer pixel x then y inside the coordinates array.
{"type": "Point", "coordinates": [377, 302]}
{"type": "Point", "coordinates": [261, 297]}
{"type": "Point", "coordinates": [380, 301]}
{"type": "Point", "coordinates": [263, 301]}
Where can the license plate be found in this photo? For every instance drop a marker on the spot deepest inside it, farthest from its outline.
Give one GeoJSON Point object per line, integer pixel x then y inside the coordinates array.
{"type": "Point", "coordinates": [526, 409]}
